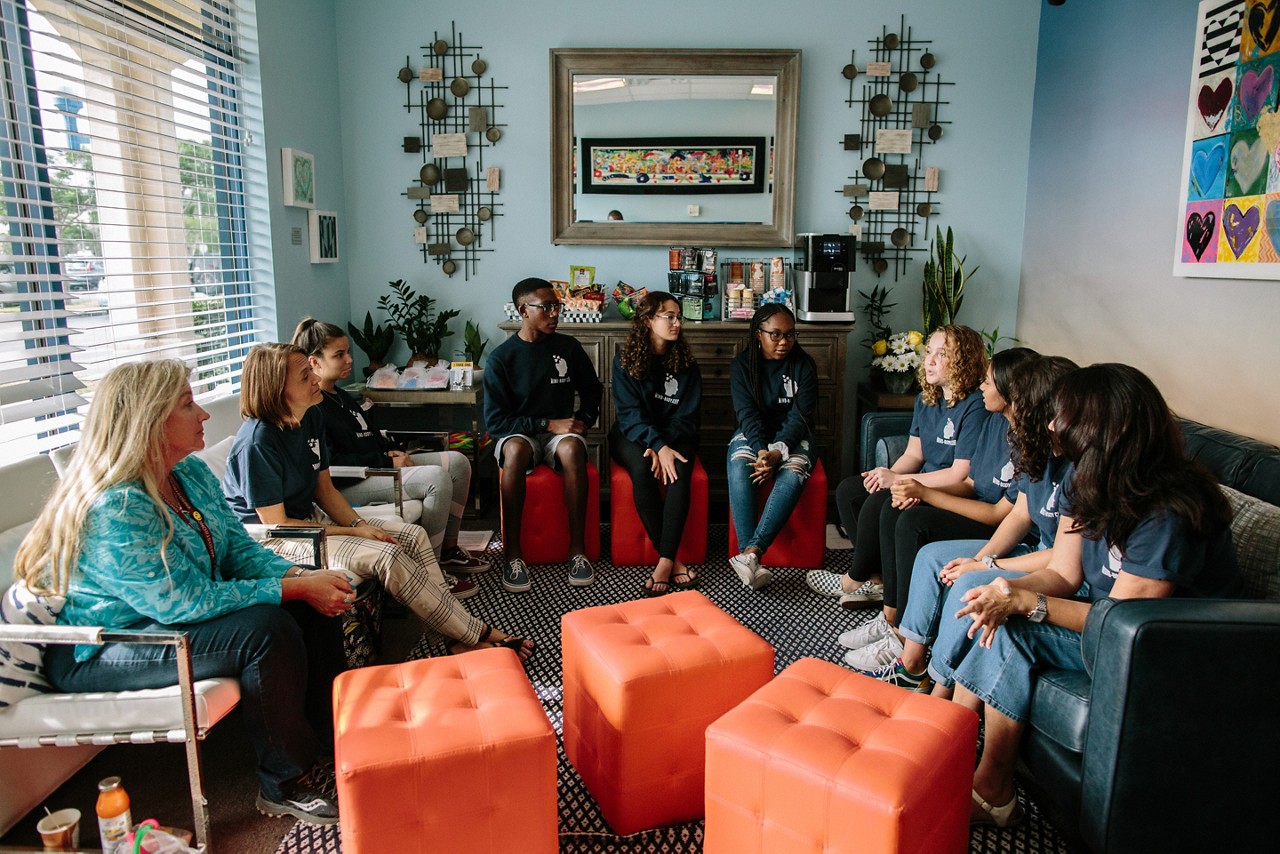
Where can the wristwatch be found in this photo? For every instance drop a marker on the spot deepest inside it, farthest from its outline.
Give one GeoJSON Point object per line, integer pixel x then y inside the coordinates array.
{"type": "Point", "coordinates": [1040, 611]}
{"type": "Point", "coordinates": [989, 561]}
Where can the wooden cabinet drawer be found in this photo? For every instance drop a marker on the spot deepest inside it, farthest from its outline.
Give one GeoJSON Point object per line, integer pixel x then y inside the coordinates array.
{"type": "Point", "coordinates": [824, 352]}
{"type": "Point", "coordinates": [717, 413]}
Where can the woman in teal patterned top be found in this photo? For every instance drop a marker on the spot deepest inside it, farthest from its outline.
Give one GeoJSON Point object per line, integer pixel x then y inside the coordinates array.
{"type": "Point", "coordinates": [137, 535]}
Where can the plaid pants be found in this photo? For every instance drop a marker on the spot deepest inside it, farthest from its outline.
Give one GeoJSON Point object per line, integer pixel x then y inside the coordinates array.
{"type": "Point", "coordinates": [408, 570]}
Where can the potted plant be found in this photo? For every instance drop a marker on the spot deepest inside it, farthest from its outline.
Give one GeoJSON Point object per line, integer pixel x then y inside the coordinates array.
{"type": "Point", "coordinates": [473, 344]}
{"type": "Point", "coordinates": [944, 281]}
{"type": "Point", "coordinates": [375, 341]}
{"type": "Point", "coordinates": [414, 316]}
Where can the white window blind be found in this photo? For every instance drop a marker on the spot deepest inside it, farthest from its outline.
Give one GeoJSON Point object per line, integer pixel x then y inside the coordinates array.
{"type": "Point", "coordinates": [122, 205]}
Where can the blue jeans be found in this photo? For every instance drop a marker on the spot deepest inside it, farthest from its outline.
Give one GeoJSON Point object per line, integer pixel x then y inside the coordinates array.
{"type": "Point", "coordinates": [929, 619]}
{"type": "Point", "coordinates": [788, 484]}
{"type": "Point", "coordinates": [1003, 676]}
{"type": "Point", "coordinates": [285, 657]}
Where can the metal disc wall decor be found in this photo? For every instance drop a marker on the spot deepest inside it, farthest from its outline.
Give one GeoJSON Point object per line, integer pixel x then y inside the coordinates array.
{"type": "Point", "coordinates": [898, 96]}
{"type": "Point", "coordinates": [456, 105]}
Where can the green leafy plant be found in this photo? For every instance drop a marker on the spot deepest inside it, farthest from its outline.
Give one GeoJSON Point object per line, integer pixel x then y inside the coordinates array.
{"type": "Point", "coordinates": [414, 316]}
{"type": "Point", "coordinates": [876, 307]}
{"type": "Point", "coordinates": [375, 340]}
{"type": "Point", "coordinates": [473, 343]}
{"type": "Point", "coordinates": [944, 281]}
{"type": "Point", "coordinates": [993, 339]}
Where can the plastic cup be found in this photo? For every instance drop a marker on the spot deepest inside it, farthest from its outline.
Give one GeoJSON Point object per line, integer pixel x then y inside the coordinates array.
{"type": "Point", "coordinates": [60, 830]}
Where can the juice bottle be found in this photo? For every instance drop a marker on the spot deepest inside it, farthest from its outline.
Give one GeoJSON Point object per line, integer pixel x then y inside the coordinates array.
{"type": "Point", "coordinates": [114, 817]}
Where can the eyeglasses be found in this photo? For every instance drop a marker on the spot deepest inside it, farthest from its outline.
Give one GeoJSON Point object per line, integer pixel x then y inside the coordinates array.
{"type": "Point", "coordinates": [775, 336]}
{"type": "Point", "coordinates": [670, 318]}
{"type": "Point", "coordinates": [548, 307]}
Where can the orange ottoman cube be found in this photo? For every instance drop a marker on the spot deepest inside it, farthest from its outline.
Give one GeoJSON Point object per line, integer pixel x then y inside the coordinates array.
{"type": "Point", "coordinates": [544, 531]}
{"type": "Point", "coordinates": [823, 759]}
{"type": "Point", "coordinates": [443, 755]}
{"type": "Point", "coordinates": [630, 543]}
{"type": "Point", "coordinates": [802, 542]}
{"type": "Point", "coordinates": [642, 680]}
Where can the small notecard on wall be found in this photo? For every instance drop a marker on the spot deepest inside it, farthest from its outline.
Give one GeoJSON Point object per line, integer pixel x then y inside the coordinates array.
{"type": "Point", "coordinates": [931, 175]}
{"type": "Point", "coordinates": [420, 235]}
{"type": "Point", "coordinates": [449, 145]}
{"type": "Point", "coordinates": [447, 203]}
{"type": "Point", "coordinates": [491, 179]}
{"type": "Point", "coordinates": [879, 69]}
{"type": "Point", "coordinates": [431, 75]}
{"type": "Point", "coordinates": [882, 201]}
{"type": "Point", "coordinates": [889, 141]}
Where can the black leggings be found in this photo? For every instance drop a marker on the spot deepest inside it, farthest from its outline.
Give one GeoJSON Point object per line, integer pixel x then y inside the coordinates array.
{"type": "Point", "coordinates": [886, 540]}
{"type": "Point", "coordinates": [663, 518]}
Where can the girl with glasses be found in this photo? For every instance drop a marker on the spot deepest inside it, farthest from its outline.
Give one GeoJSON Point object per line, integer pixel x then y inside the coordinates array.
{"type": "Point", "coordinates": [775, 391]}
{"type": "Point", "coordinates": [657, 392]}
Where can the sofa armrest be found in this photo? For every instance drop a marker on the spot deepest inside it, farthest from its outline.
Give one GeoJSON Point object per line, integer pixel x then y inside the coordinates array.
{"type": "Point", "coordinates": [1181, 723]}
{"type": "Point", "coordinates": [876, 426]}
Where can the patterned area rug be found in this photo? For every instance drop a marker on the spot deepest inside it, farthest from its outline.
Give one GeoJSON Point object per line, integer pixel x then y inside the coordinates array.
{"type": "Point", "coordinates": [787, 614]}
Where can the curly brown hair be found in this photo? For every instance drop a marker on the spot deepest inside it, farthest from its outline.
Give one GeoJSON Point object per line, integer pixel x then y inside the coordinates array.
{"type": "Point", "coordinates": [1031, 392]}
{"type": "Point", "coordinates": [637, 350]}
{"type": "Point", "coordinates": [967, 369]}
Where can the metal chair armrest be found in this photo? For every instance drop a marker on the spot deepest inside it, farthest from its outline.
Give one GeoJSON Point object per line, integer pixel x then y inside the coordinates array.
{"type": "Point", "coordinates": [369, 471]}
{"type": "Point", "coordinates": [313, 533]}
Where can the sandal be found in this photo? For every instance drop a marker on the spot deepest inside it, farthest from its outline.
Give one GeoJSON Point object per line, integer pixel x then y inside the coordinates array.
{"type": "Point", "coordinates": [1008, 815]}
{"type": "Point", "coordinates": [691, 580]}
{"type": "Point", "coordinates": [654, 586]}
{"type": "Point", "coordinates": [516, 645]}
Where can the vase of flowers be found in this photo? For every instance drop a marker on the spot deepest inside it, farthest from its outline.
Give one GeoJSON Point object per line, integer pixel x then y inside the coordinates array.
{"type": "Point", "coordinates": [898, 358]}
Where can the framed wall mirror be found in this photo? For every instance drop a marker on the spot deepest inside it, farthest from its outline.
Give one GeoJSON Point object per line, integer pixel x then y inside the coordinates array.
{"type": "Point", "coordinates": [657, 147]}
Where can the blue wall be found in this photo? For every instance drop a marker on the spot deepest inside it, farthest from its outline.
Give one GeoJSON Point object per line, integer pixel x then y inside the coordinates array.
{"type": "Point", "coordinates": [989, 54]}
{"type": "Point", "coordinates": [1102, 219]}
{"type": "Point", "coordinates": [299, 56]}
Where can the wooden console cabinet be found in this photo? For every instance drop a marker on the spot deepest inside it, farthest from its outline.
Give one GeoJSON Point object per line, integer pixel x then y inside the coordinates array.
{"type": "Point", "coordinates": [714, 345]}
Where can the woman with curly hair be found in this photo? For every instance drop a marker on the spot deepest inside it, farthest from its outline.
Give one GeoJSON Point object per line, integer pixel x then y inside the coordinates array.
{"type": "Point", "coordinates": [657, 390]}
{"type": "Point", "coordinates": [945, 427]}
{"type": "Point", "coordinates": [971, 509]}
{"type": "Point", "coordinates": [775, 392]}
{"type": "Point", "coordinates": [1022, 543]}
{"type": "Point", "coordinates": [1140, 521]}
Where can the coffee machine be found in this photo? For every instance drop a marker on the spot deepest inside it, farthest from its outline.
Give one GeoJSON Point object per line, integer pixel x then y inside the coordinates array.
{"type": "Point", "coordinates": [824, 277]}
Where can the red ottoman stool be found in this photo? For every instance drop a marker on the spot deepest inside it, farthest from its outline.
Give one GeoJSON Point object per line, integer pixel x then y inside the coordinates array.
{"type": "Point", "coordinates": [803, 540]}
{"type": "Point", "coordinates": [544, 531]}
{"type": "Point", "coordinates": [442, 755]}
{"type": "Point", "coordinates": [631, 546]}
{"type": "Point", "coordinates": [824, 759]}
{"type": "Point", "coordinates": [642, 680]}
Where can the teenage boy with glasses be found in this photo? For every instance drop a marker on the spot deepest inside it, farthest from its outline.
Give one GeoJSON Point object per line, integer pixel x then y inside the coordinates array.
{"type": "Point", "coordinates": [530, 383]}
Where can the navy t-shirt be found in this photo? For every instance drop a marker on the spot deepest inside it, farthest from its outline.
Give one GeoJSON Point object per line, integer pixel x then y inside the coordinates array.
{"type": "Point", "coordinates": [1043, 498]}
{"type": "Point", "coordinates": [659, 410]}
{"type": "Point", "coordinates": [991, 466]}
{"type": "Point", "coordinates": [947, 433]}
{"type": "Point", "coordinates": [268, 466]}
{"type": "Point", "coordinates": [1160, 548]}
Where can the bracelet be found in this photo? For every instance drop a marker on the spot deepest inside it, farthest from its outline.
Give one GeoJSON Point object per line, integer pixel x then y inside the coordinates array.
{"type": "Point", "coordinates": [355, 523]}
{"type": "Point", "coordinates": [294, 572]}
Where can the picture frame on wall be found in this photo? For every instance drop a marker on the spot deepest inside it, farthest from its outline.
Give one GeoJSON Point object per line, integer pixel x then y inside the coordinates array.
{"type": "Point", "coordinates": [324, 236]}
{"type": "Point", "coordinates": [298, 173]}
{"type": "Point", "coordinates": [674, 165]}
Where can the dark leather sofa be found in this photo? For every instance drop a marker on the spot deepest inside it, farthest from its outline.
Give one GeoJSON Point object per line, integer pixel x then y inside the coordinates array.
{"type": "Point", "coordinates": [1169, 742]}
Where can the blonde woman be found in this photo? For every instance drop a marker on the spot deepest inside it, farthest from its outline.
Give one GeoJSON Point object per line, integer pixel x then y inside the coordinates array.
{"type": "Point", "coordinates": [138, 536]}
{"type": "Point", "coordinates": [278, 474]}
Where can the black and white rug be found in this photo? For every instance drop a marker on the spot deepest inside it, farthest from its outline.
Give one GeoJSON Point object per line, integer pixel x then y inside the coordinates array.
{"type": "Point", "coordinates": [787, 614]}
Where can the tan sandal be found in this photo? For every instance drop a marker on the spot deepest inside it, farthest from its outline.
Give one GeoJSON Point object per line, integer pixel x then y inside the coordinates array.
{"type": "Point", "coordinates": [1009, 815]}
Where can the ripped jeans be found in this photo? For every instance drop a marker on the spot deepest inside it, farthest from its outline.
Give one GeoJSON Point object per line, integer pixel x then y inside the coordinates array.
{"type": "Point", "coordinates": [788, 482]}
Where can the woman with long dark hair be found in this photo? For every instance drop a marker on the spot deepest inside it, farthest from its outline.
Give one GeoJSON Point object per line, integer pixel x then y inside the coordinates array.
{"type": "Point", "coordinates": [774, 384]}
{"type": "Point", "coordinates": [657, 389]}
{"type": "Point", "coordinates": [1141, 521]}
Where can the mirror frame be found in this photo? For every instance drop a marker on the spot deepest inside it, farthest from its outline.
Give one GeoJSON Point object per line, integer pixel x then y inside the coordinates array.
{"type": "Point", "coordinates": [567, 62]}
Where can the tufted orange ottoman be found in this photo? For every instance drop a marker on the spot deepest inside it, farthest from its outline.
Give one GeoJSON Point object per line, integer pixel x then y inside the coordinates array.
{"type": "Point", "coordinates": [802, 542]}
{"type": "Point", "coordinates": [445, 754]}
{"type": "Point", "coordinates": [641, 682]}
{"type": "Point", "coordinates": [630, 543]}
{"type": "Point", "coordinates": [826, 760]}
{"type": "Point", "coordinates": [544, 531]}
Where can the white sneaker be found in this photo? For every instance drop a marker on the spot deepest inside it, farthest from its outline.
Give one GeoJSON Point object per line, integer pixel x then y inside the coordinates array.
{"type": "Point", "coordinates": [867, 633]}
{"type": "Point", "coordinates": [824, 583]}
{"type": "Point", "coordinates": [875, 655]}
{"type": "Point", "coordinates": [868, 593]}
{"type": "Point", "coordinates": [749, 571]}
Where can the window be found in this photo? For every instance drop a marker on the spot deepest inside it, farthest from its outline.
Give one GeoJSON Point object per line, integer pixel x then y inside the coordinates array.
{"type": "Point", "coordinates": [122, 204]}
